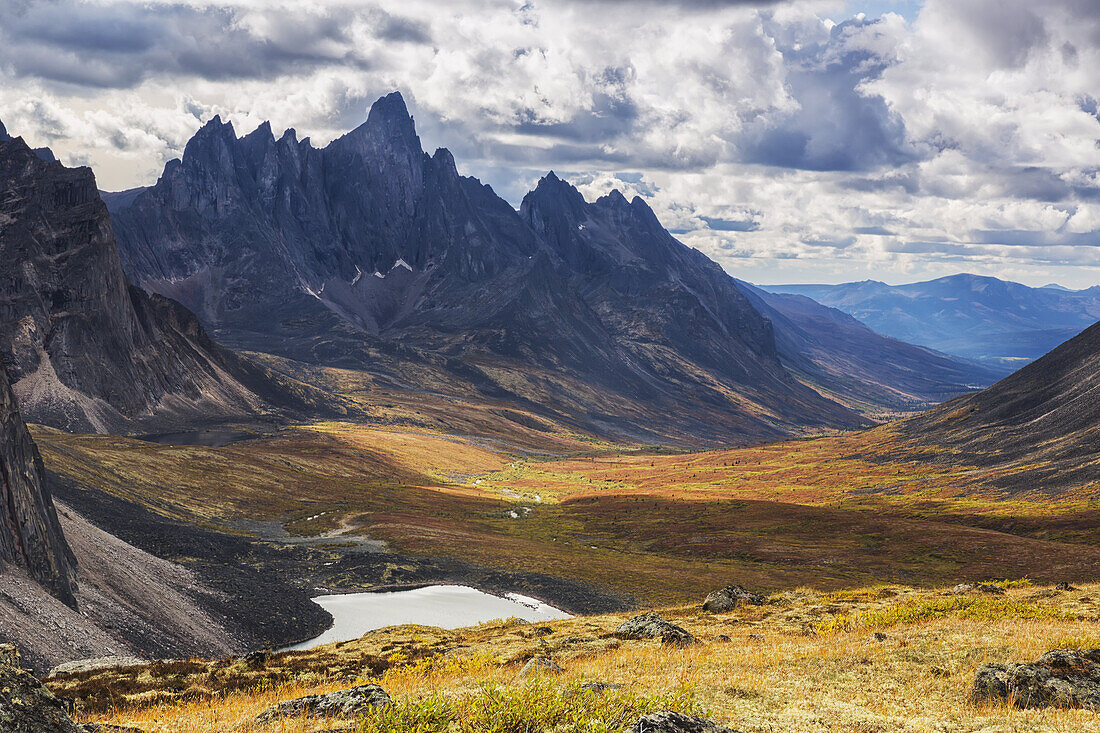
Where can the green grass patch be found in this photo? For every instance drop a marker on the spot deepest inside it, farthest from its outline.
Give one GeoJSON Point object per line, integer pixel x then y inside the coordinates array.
{"type": "Point", "coordinates": [920, 610]}
{"type": "Point", "coordinates": [539, 704]}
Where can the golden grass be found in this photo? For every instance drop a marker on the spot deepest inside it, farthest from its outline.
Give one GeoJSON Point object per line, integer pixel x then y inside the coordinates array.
{"type": "Point", "coordinates": [918, 679]}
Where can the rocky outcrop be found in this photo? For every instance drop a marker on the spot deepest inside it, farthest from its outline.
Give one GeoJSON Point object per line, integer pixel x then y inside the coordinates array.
{"type": "Point", "coordinates": [26, 706]}
{"type": "Point", "coordinates": [654, 626]}
{"type": "Point", "coordinates": [1064, 678]}
{"type": "Point", "coordinates": [988, 588]}
{"type": "Point", "coordinates": [372, 254]}
{"type": "Point", "coordinates": [729, 598]}
{"type": "Point", "coordinates": [30, 535]}
{"type": "Point", "coordinates": [85, 350]}
{"type": "Point", "coordinates": [670, 722]}
{"type": "Point", "coordinates": [344, 703]}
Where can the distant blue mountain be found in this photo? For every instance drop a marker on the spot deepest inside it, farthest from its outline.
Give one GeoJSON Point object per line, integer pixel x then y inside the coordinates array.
{"type": "Point", "coordinates": [998, 323]}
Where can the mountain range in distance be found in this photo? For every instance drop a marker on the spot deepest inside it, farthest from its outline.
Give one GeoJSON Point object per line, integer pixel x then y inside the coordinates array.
{"type": "Point", "coordinates": [1000, 324]}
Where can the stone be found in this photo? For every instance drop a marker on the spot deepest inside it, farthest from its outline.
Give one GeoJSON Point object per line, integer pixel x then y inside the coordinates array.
{"type": "Point", "coordinates": [879, 636]}
{"type": "Point", "coordinates": [540, 665]}
{"type": "Point", "coordinates": [107, 728]}
{"type": "Point", "coordinates": [97, 663]}
{"type": "Point", "coordinates": [1064, 586]}
{"type": "Point", "coordinates": [756, 637]}
{"type": "Point", "coordinates": [1065, 678]}
{"type": "Point", "coordinates": [347, 703]}
{"type": "Point", "coordinates": [26, 706]}
{"type": "Point", "coordinates": [257, 659]}
{"type": "Point", "coordinates": [990, 588]}
{"type": "Point", "coordinates": [598, 687]}
{"type": "Point", "coordinates": [670, 722]}
{"type": "Point", "coordinates": [654, 626]}
{"type": "Point", "coordinates": [729, 598]}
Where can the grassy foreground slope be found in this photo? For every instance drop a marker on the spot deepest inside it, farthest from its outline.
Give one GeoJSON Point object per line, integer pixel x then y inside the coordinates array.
{"type": "Point", "coordinates": [806, 661]}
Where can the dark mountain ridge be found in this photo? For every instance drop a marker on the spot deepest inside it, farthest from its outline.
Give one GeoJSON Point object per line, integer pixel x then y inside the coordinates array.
{"type": "Point", "coordinates": [371, 254]}
{"type": "Point", "coordinates": [85, 350]}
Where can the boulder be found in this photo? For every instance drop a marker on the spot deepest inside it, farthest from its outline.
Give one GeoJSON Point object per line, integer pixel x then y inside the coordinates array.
{"type": "Point", "coordinates": [731, 597]}
{"type": "Point", "coordinates": [990, 588]}
{"type": "Point", "coordinates": [347, 703]}
{"type": "Point", "coordinates": [97, 663]}
{"type": "Point", "coordinates": [540, 665]}
{"type": "Point", "coordinates": [1065, 678]}
{"type": "Point", "coordinates": [669, 722]}
{"type": "Point", "coordinates": [25, 705]}
{"type": "Point", "coordinates": [654, 626]}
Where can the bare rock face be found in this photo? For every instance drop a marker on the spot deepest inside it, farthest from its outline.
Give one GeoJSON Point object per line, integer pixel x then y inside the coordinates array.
{"type": "Point", "coordinates": [85, 350]}
{"type": "Point", "coordinates": [30, 535]}
{"type": "Point", "coordinates": [1064, 678]}
{"type": "Point", "coordinates": [345, 703]}
{"type": "Point", "coordinates": [670, 722]}
{"type": "Point", "coordinates": [26, 706]}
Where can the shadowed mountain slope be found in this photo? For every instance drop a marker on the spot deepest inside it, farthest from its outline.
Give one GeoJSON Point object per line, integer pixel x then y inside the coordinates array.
{"type": "Point", "coordinates": [1044, 420]}
{"type": "Point", "coordinates": [85, 350]}
{"type": "Point", "coordinates": [1002, 324]}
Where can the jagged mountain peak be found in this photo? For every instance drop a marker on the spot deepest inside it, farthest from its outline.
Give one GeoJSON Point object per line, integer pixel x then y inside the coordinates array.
{"type": "Point", "coordinates": [4, 132]}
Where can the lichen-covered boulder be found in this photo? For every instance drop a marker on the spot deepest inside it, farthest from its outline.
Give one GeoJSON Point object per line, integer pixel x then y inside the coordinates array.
{"type": "Point", "coordinates": [990, 588]}
{"type": "Point", "coordinates": [654, 626]}
{"type": "Point", "coordinates": [25, 705]}
{"type": "Point", "coordinates": [1065, 678]}
{"type": "Point", "coordinates": [344, 703]}
{"type": "Point", "coordinates": [669, 722]}
{"type": "Point", "coordinates": [729, 598]}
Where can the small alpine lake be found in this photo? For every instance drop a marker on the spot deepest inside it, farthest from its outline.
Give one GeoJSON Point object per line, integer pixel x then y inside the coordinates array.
{"type": "Point", "coordinates": [445, 606]}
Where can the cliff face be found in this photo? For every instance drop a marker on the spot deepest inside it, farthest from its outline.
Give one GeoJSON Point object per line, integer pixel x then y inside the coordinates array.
{"type": "Point", "coordinates": [84, 350]}
{"type": "Point", "coordinates": [30, 535]}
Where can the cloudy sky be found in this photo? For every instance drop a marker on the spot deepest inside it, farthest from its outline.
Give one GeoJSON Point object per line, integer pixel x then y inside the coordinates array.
{"type": "Point", "coordinates": [815, 140]}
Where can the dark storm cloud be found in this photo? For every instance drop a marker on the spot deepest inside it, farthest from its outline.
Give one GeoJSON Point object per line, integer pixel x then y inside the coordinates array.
{"type": "Point", "coordinates": [118, 45]}
{"type": "Point", "coordinates": [836, 127]}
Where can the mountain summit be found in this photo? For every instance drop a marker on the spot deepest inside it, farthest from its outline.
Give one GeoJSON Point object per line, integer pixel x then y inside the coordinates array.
{"type": "Point", "coordinates": [372, 254]}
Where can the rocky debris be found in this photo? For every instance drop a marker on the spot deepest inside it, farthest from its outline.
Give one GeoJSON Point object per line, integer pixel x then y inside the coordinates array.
{"type": "Point", "coordinates": [350, 702]}
{"type": "Point", "coordinates": [25, 705]}
{"type": "Point", "coordinates": [540, 665]}
{"type": "Point", "coordinates": [30, 534]}
{"type": "Point", "coordinates": [756, 637]}
{"type": "Point", "coordinates": [654, 626]}
{"type": "Point", "coordinates": [97, 663]}
{"type": "Point", "coordinates": [990, 588]}
{"type": "Point", "coordinates": [729, 598]}
{"type": "Point", "coordinates": [879, 636]}
{"type": "Point", "coordinates": [1065, 678]}
{"type": "Point", "coordinates": [1064, 586]}
{"type": "Point", "coordinates": [107, 728]}
{"type": "Point", "coordinates": [670, 722]}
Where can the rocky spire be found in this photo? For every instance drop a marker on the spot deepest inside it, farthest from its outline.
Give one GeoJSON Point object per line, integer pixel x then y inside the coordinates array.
{"type": "Point", "coordinates": [30, 535]}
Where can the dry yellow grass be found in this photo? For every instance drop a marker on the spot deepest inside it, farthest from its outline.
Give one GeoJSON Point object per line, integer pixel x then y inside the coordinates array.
{"type": "Point", "coordinates": [918, 679]}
